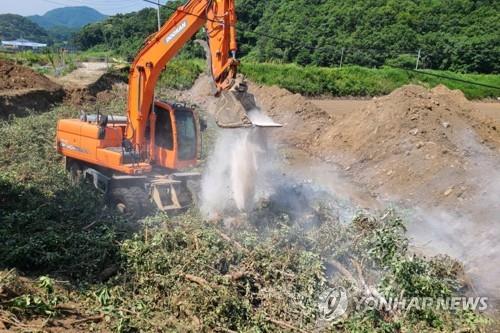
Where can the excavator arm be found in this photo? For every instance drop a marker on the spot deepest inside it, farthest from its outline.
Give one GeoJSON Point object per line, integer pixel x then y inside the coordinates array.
{"type": "Point", "coordinates": [219, 19]}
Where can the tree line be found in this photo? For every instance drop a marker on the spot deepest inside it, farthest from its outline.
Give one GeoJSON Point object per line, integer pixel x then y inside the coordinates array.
{"type": "Point", "coordinates": [457, 35]}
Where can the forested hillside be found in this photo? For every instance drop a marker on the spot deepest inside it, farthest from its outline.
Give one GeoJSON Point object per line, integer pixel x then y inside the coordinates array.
{"type": "Point", "coordinates": [61, 23]}
{"type": "Point", "coordinates": [15, 26]}
{"type": "Point", "coordinates": [459, 35]}
{"type": "Point", "coordinates": [123, 33]}
{"type": "Point", "coordinates": [68, 17]}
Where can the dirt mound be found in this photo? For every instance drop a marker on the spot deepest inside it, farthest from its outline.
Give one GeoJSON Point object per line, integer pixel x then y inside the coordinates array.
{"type": "Point", "coordinates": [101, 90]}
{"type": "Point", "coordinates": [23, 90]}
{"type": "Point", "coordinates": [408, 137]}
{"type": "Point", "coordinates": [415, 144]}
{"type": "Point", "coordinates": [426, 150]}
{"type": "Point", "coordinates": [16, 77]}
{"type": "Point", "coordinates": [427, 147]}
{"type": "Point", "coordinates": [302, 121]}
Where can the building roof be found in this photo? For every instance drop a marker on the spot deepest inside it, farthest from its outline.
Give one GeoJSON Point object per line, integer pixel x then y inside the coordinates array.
{"type": "Point", "coordinates": [23, 43]}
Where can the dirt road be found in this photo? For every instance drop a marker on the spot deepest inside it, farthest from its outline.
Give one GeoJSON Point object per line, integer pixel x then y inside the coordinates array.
{"type": "Point", "coordinates": [86, 74]}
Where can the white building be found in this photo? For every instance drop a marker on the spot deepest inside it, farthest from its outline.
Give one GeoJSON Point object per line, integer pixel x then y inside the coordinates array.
{"type": "Point", "coordinates": [22, 44]}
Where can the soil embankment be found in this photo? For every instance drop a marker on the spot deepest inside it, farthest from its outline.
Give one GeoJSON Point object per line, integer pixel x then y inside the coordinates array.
{"type": "Point", "coordinates": [23, 90]}
{"type": "Point", "coordinates": [430, 151]}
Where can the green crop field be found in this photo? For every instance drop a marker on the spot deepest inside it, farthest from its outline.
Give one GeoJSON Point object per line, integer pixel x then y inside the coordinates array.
{"type": "Point", "coordinates": [361, 81]}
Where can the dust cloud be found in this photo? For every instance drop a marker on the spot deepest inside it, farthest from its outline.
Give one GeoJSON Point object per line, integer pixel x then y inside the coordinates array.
{"type": "Point", "coordinates": [468, 232]}
{"type": "Point", "coordinates": [241, 160]}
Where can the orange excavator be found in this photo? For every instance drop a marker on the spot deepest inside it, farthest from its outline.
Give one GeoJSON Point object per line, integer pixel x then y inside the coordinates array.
{"type": "Point", "coordinates": [137, 159]}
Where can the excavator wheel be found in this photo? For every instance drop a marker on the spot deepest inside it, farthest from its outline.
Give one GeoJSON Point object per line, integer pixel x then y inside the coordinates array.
{"type": "Point", "coordinates": [75, 172]}
{"type": "Point", "coordinates": [132, 202]}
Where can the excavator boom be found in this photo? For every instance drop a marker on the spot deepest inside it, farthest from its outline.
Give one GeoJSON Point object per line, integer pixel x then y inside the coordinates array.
{"type": "Point", "coordinates": [139, 159]}
{"type": "Point", "coordinates": [219, 19]}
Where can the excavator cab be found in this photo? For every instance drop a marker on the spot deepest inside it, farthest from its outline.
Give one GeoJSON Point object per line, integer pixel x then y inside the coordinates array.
{"type": "Point", "coordinates": [176, 135]}
{"type": "Point", "coordinates": [173, 139]}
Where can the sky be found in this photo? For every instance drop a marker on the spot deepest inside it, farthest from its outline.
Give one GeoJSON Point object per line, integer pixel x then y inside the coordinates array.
{"type": "Point", "coordinates": [40, 7]}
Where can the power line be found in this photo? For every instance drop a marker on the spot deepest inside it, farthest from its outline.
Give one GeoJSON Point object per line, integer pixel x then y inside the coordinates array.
{"type": "Point", "coordinates": [445, 77]}
{"type": "Point", "coordinates": [297, 45]}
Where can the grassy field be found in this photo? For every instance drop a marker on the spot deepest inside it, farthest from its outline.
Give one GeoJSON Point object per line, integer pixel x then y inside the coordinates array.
{"type": "Point", "coordinates": [51, 63]}
{"type": "Point", "coordinates": [349, 81]}
{"type": "Point", "coordinates": [360, 81]}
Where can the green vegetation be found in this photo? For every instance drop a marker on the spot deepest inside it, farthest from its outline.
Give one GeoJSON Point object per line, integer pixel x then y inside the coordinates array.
{"type": "Point", "coordinates": [185, 273]}
{"type": "Point", "coordinates": [181, 73]}
{"type": "Point", "coordinates": [124, 33]}
{"type": "Point", "coordinates": [47, 62]}
{"type": "Point", "coordinates": [15, 27]}
{"type": "Point", "coordinates": [42, 216]}
{"type": "Point", "coordinates": [320, 81]}
{"type": "Point", "coordinates": [360, 81]}
{"type": "Point", "coordinates": [452, 35]}
{"type": "Point", "coordinates": [55, 26]}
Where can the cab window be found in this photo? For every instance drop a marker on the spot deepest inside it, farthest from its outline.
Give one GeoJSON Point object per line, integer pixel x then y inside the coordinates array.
{"type": "Point", "coordinates": [164, 137]}
{"type": "Point", "coordinates": [186, 134]}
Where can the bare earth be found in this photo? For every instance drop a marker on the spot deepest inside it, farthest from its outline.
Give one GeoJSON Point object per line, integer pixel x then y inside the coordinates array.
{"type": "Point", "coordinates": [86, 74]}
{"type": "Point", "coordinates": [345, 106]}
{"type": "Point", "coordinates": [442, 166]}
{"type": "Point", "coordinates": [431, 153]}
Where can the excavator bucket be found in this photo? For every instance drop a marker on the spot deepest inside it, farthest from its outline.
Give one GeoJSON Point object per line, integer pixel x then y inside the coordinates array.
{"type": "Point", "coordinates": [237, 108]}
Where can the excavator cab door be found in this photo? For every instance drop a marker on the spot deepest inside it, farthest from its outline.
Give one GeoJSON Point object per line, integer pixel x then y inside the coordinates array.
{"type": "Point", "coordinates": [164, 138]}
{"type": "Point", "coordinates": [176, 136]}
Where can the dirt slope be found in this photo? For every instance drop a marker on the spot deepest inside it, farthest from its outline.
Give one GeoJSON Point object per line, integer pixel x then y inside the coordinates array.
{"type": "Point", "coordinates": [16, 77]}
{"type": "Point", "coordinates": [86, 74]}
{"type": "Point", "coordinates": [398, 144]}
{"type": "Point", "coordinates": [428, 151]}
{"type": "Point", "coordinates": [23, 90]}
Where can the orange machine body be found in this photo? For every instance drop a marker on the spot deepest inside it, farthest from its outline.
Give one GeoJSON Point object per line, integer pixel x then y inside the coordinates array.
{"type": "Point", "coordinates": [219, 19]}
{"type": "Point", "coordinates": [98, 145]}
{"type": "Point", "coordinates": [134, 146]}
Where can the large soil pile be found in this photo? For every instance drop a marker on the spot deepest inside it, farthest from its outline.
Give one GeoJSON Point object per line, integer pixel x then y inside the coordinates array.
{"type": "Point", "coordinates": [101, 91]}
{"type": "Point", "coordinates": [414, 141]}
{"type": "Point", "coordinates": [418, 146]}
{"type": "Point", "coordinates": [16, 77]}
{"type": "Point", "coordinates": [22, 90]}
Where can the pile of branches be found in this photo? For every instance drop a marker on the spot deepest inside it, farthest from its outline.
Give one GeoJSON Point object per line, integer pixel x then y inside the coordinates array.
{"type": "Point", "coordinates": [267, 272]}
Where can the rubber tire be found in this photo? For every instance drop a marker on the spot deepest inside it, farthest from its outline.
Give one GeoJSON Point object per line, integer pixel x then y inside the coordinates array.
{"type": "Point", "coordinates": [134, 199]}
{"type": "Point", "coordinates": [75, 172]}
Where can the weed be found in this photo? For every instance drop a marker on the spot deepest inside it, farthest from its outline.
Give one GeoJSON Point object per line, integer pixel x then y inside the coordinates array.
{"type": "Point", "coordinates": [359, 81]}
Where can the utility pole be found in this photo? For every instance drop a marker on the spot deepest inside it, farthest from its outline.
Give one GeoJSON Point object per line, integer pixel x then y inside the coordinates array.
{"type": "Point", "coordinates": [418, 59]}
{"type": "Point", "coordinates": [341, 57]}
{"type": "Point", "coordinates": [158, 15]}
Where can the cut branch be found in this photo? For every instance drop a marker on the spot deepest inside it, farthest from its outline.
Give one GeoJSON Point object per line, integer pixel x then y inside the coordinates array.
{"type": "Point", "coordinates": [283, 324]}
